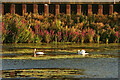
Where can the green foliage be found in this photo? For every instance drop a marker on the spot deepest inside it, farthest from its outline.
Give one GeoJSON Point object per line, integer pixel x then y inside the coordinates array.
{"type": "Point", "coordinates": [16, 29]}
{"type": "Point", "coordinates": [35, 28]}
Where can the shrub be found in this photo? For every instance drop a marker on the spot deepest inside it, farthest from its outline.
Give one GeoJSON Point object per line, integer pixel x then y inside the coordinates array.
{"type": "Point", "coordinates": [67, 28]}
{"type": "Point", "coordinates": [90, 34]}
{"type": "Point", "coordinates": [16, 29]}
{"type": "Point", "coordinates": [47, 36]}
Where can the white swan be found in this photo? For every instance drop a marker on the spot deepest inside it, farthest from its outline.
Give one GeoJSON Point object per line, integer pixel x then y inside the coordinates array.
{"type": "Point", "coordinates": [37, 53]}
{"type": "Point", "coordinates": [82, 52]}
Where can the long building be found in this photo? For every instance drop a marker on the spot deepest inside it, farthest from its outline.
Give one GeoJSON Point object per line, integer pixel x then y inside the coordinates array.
{"type": "Point", "coordinates": [52, 7]}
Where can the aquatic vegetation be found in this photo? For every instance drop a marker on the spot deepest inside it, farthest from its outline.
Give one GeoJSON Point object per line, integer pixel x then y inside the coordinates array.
{"type": "Point", "coordinates": [47, 57]}
{"type": "Point", "coordinates": [23, 53]}
{"type": "Point", "coordinates": [54, 73]}
{"type": "Point", "coordinates": [57, 51]}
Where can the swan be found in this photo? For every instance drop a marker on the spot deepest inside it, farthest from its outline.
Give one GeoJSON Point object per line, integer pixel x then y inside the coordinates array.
{"type": "Point", "coordinates": [82, 52]}
{"type": "Point", "coordinates": [37, 53]}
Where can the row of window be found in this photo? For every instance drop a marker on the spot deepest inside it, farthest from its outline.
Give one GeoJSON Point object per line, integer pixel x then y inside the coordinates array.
{"type": "Point", "coordinates": [84, 8]}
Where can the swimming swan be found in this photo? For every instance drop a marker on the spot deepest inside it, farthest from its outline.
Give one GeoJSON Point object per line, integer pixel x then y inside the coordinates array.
{"type": "Point", "coordinates": [82, 52]}
{"type": "Point", "coordinates": [37, 53]}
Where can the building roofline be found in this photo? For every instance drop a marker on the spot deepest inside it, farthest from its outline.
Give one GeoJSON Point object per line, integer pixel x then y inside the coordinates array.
{"type": "Point", "coordinates": [63, 2]}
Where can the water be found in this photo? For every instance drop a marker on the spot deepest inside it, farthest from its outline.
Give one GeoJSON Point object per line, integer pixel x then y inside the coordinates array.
{"type": "Point", "coordinates": [93, 67]}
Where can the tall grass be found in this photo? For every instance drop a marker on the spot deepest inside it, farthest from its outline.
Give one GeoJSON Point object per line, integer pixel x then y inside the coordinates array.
{"type": "Point", "coordinates": [35, 28]}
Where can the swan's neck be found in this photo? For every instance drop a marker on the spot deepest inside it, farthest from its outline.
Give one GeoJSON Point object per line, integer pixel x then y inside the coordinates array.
{"type": "Point", "coordinates": [34, 53]}
{"type": "Point", "coordinates": [78, 52]}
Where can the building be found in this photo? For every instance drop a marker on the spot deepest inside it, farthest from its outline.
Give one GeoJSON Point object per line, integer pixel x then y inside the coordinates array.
{"type": "Point", "coordinates": [52, 7]}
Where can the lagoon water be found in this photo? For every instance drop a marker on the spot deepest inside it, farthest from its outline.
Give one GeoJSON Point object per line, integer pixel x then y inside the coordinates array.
{"type": "Point", "coordinates": [94, 68]}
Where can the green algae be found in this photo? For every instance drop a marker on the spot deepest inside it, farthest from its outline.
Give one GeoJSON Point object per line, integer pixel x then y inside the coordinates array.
{"type": "Point", "coordinates": [42, 73]}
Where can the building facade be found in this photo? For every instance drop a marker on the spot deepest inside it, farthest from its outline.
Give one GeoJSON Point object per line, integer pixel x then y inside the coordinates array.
{"type": "Point", "coordinates": [57, 7]}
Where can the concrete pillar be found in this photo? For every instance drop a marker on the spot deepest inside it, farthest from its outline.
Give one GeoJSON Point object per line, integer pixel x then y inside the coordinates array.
{"type": "Point", "coordinates": [35, 8]}
{"type": "Point", "coordinates": [12, 8]}
{"type": "Point", "coordinates": [68, 9]}
{"type": "Point", "coordinates": [100, 11]}
{"type": "Point", "coordinates": [89, 9]}
{"type": "Point", "coordinates": [46, 9]}
{"type": "Point", "coordinates": [78, 9]}
{"type": "Point", "coordinates": [57, 8]}
{"type": "Point", "coordinates": [24, 7]}
{"type": "Point", "coordinates": [2, 9]}
{"type": "Point", "coordinates": [110, 9]}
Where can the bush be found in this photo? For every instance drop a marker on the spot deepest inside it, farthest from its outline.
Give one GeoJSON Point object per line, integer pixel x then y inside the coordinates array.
{"type": "Point", "coordinates": [37, 28]}
{"type": "Point", "coordinates": [15, 30]}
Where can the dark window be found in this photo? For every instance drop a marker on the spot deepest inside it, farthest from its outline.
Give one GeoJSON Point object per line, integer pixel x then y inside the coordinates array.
{"type": "Point", "coordinates": [52, 9]}
{"type": "Point", "coordinates": [18, 9]}
{"type": "Point", "coordinates": [106, 9]}
{"type": "Point", "coordinates": [84, 9]}
{"type": "Point", "coordinates": [7, 8]}
{"type": "Point", "coordinates": [116, 8]}
{"type": "Point", "coordinates": [41, 8]}
{"type": "Point", "coordinates": [73, 8]}
{"type": "Point", "coordinates": [30, 8]}
{"type": "Point", "coordinates": [95, 8]}
{"type": "Point", "coordinates": [62, 8]}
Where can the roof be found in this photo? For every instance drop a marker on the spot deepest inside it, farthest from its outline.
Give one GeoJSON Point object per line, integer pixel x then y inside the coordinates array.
{"type": "Point", "coordinates": [60, 1]}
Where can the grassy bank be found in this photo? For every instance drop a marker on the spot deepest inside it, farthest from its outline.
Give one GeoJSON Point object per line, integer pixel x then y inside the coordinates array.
{"type": "Point", "coordinates": [60, 57]}
{"type": "Point", "coordinates": [58, 51]}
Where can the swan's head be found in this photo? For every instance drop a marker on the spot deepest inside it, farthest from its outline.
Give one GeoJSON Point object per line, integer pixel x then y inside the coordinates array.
{"type": "Point", "coordinates": [78, 51]}
{"type": "Point", "coordinates": [34, 49]}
